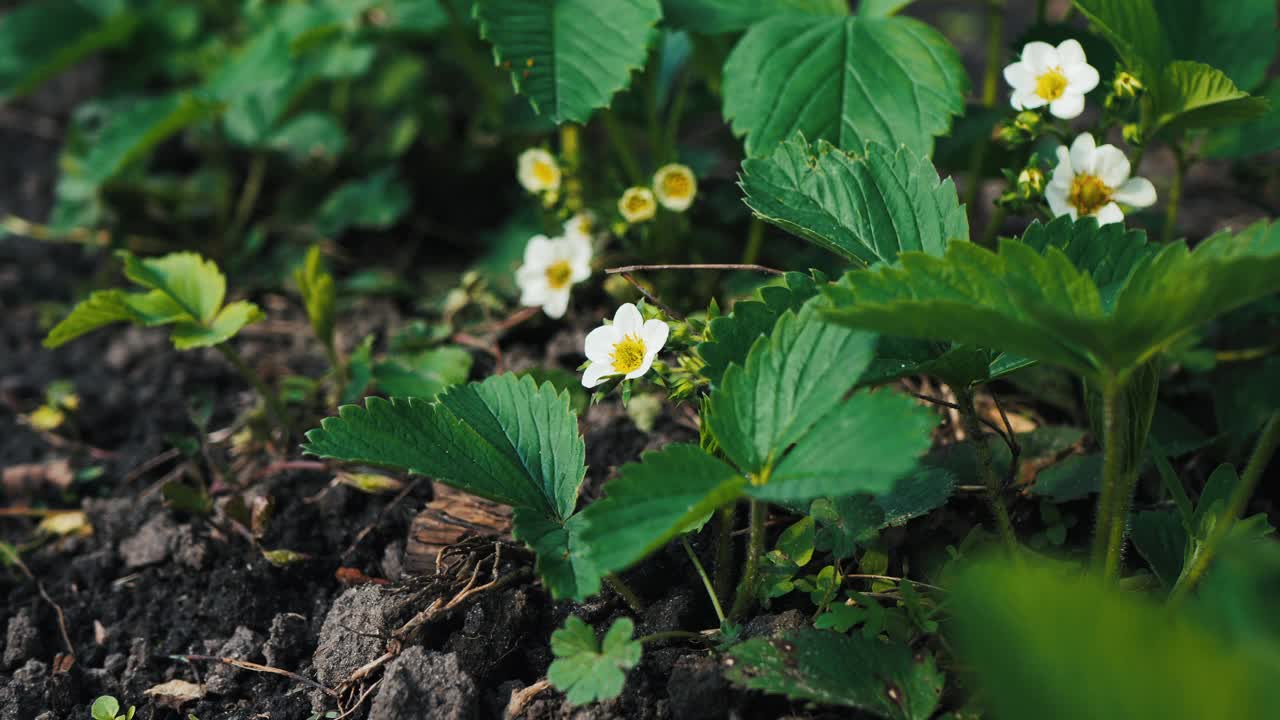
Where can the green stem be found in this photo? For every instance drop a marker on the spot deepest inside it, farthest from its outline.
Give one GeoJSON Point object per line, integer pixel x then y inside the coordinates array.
{"type": "Point", "coordinates": [990, 88]}
{"type": "Point", "coordinates": [702, 573]}
{"type": "Point", "coordinates": [724, 549]}
{"type": "Point", "coordinates": [625, 591]}
{"type": "Point", "coordinates": [274, 406]}
{"type": "Point", "coordinates": [626, 153]}
{"type": "Point", "coordinates": [1175, 195]}
{"type": "Point", "coordinates": [973, 429]}
{"type": "Point", "coordinates": [674, 113]}
{"type": "Point", "coordinates": [670, 635]}
{"type": "Point", "coordinates": [755, 239]}
{"type": "Point", "coordinates": [1239, 500]}
{"type": "Point", "coordinates": [994, 223]}
{"type": "Point", "coordinates": [751, 566]}
{"type": "Point", "coordinates": [248, 197]}
{"type": "Point", "coordinates": [1117, 487]}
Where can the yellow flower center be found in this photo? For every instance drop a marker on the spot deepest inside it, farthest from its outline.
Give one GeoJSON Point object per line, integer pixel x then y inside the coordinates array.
{"type": "Point", "coordinates": [1088, 194]}
{"type": "Point", "coordinates": [628, 354]}
{"type": "Point", "coordinates": [558, 274]}
{"type": "Point", "coordinates": [676, 185]}
{"type": "Point", "coordinates": [637, 203]}
{"type": "Point", "coordinates": [544, 172]}
{"type": "Point", "coordinates": [1051, 85]}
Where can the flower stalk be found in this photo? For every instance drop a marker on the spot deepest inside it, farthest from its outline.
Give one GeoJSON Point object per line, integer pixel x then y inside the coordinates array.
{"type": "Point", "coordinates": [751, 566]}
{"type": "Point", "coordinates": [272, 400]}
{"type": "Point", "coordinates": [973, 429]}
{"type": "Point", "coordinates": [1117, 488]}
{"type": "Point", "coordinates": [1236, 504]}
{"type": "Point", "coordinates": [702, 573]}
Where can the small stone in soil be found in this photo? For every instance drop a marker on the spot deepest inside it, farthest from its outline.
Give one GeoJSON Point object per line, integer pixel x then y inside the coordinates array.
{"type": "Point", "coordinates": [287, 640]}
{"type": "Point", "coordinates": [697, 689]}
{"type": "Point", "coordinates": [22, 640]}
{"type": "Point", "coordinates": [422, 684]}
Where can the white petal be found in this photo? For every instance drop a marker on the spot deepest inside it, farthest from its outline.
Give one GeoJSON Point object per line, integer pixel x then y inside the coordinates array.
{"type": "Point", "coordinates": [654, 333]}
{"type": "Point", "coordinates": [1082, 153]}
{"type": "Point", "coordinates": [1039, 56]}
{"type": "Point", "coordinates": [628, 320]}
{"type": "Point", "coordinates": [1027, 100]}
{"type": "Point", "coordinates": [1064, 162]}
{"type": "Point", "coordinates": [600, 342]}
{"type": "Point", "coordinates": [1081, 78]}
{"type": "Point", "coordinates": [1110, 213]}
{"type": "Point", "coordinates": [534, 294]}
{"type": "Point", "coordinates": [1070, 105]}
{"type": "Point", "coordinates": [557, 302]}
{"type": "Point", "coordinates": [539, 251]}
{"type": "Point", "coordinates": [1136, 192]}
{"type": "Point", "coordinates": [1019, 76]}
{"type": "Point", "coordinates": [1111, 166]}
{"type": "Point", "coordinates": [1056, 195]}
{"type": "Point", "coordinates": [595, 374]}
{"type": "Point", "coordinates": [1070, 53]}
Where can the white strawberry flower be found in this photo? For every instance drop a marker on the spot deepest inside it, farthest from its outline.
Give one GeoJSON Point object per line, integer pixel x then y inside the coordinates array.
{"type": "Point", "coordinates": [675, 186]}
{"type": "Point", "coordinates": [1055, 76]}
{"type": "Point", "coordinates": [637, 205]}
{"type": "Point", "coordinates": [551, 267]}
{"type": "Point", "coordinates": [626, 348]}
{"type": "Point", "coordinates": [582, 224]}
{"type": "Point", "coordinates": [538, 171]}
{"type": "Point", "coordinates": [1091, 181]}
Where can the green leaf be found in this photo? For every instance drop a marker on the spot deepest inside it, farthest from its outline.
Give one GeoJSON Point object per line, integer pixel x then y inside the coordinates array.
{"type": "Point", "coordinates": [318, 295]}
{"type": "Point", "coordinates": [568, 57]}
{"type": "Point", "coordinates": [866, 208]}
{"type": "Point", "coordinates": [1132, 26]}
{"type": "Point", "coordinates": [790, 379]}
{"type": "Point", "coordinates": [39, 40]}
{"type": "Point", "coordinates": [711, 17]}
{"type": "Point", "coordinates": [885, 679]}
{"type": "Point", "coordinates": [881, 8]}
{"type": "Point", "coordinates": [375, 202]}
{"type": "Point", "coordinates": [1192, 95]}
{"type": "Point", "coordinates": [796, 542]}
{"type": "Point", "coordinates": [862, 446]}
{"type": "Point", "coordinates": [505, 439]}
{"type": "Point", "coordinates": [1072, 478]}
{"type": "Point", "coordinates": [784, 421]}
{"type": "Point", "coordinates": [1251, 138]}
{"type": "Point", "coordinates": [562, 559]}
{"type": "Point", "coordinates": [667, 493]}
{"type": "Point", "coordinates": [229, 321]}
{"type": "Point", "coordinates": [309, 135]}
{"type": "Point", "coordinates": [1160, 540]}
{"type": "Point", "coordinates": [135, 129]}
{"type": "Point", "coordinates": [586, 671]}
{"type": "Point", "coordinates": [424, 374]}
{"type": "Point", "coordinates": [102, 308]}
{"type": "Point", "coordinates": [105, 708]}
{"type": "Point", "coordinates": [194, 284]}
{"type": "Point", "coordinates": [1242, 43]}
{"type": "Point", "coordinates": [730, 337]}
{"type": "Point", "coordinates": [956, 365]}
{"type": "Point", "coordinates": [1041, 305]}
{"type": "Point", "coordinates": [849, 81]}
{"type": "Point", "coordinates": [1035, 635]}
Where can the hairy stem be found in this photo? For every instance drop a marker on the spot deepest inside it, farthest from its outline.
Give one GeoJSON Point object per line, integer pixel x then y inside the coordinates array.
{"type": "Point", "coordinates": [695, 266]}
{"type": "Point", "coordinates": [751, 566]}
{"type": "Point", "coordinates": [1262, 454]}
{"type": "Point", "coordinates": [973, 429]}
{"type": "Point", "coordinates": [274, 406]}
{"type": "Point", "coordinates": [625, 591]}
{"type": "Point", "coordinates": [1175, 195]}
{"type": "Point", "coordinates": [1117, 488]}
{"type": "Point", "coordinates": [626, 153]}
{"type": "Point", "coordinates": [702, 573]}
{"type": "Point", "coordinates": [248, 197]}
{"type": "Point", "coordinates": [755, 239]}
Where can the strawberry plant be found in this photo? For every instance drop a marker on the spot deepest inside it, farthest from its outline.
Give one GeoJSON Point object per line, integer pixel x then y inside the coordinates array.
{"type": "Point", "coordinates": [668, 349]}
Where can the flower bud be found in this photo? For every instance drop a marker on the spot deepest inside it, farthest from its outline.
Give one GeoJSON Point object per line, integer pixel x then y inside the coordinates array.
{"type": "Point", "coordinates": [1030, 182]}
{"type": "Point", "coordinates": [1132, 134]}
{"type": "Point", "coordinates": [1126, 85]}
